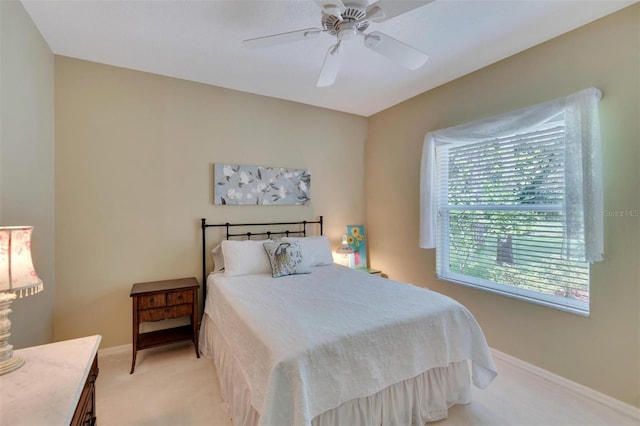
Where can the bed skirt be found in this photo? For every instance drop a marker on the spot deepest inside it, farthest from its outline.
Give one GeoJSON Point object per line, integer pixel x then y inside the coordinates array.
{"type": "Point", "coordinates": [415, 401]}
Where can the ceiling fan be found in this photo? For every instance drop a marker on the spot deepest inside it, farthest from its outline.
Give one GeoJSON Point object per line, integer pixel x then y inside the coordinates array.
{"type": "Point", "coordinates": [347, 21]}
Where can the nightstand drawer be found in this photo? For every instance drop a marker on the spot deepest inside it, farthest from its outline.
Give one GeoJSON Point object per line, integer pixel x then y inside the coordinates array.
{"type": "Point", "coordinates": [180, 310]}
{"type": "Point", "coordinates": [180, 297]}
{"type": "Point", "coordinates": [152, 301]}
{"type": "Point", "coordinates": [169, 312]}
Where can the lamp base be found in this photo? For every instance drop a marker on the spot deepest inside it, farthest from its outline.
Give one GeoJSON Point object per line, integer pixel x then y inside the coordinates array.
{"type": "Point", "coordinates": [8, 362]}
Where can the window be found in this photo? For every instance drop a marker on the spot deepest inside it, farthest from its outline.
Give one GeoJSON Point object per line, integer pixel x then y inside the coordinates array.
{"type": "Point", "coordinates": [509, 214]}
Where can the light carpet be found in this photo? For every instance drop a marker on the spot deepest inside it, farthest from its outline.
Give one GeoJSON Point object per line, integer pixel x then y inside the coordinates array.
{"type": "Point", "coordinates": [172, 387]}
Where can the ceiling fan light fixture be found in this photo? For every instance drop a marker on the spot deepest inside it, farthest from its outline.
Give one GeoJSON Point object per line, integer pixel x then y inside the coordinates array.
{"type": "Point", "coordinates": [347, 31]}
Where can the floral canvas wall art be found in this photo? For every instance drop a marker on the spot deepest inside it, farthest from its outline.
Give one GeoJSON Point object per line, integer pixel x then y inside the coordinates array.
{"type": "Point", "coordinates": [358, 242]}
{"type": "Point", "coordinates": [258, 185]}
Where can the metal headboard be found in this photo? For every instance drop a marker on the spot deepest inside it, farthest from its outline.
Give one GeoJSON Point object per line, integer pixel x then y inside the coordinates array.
{"type": "Point", "coordinates": [303, 231]}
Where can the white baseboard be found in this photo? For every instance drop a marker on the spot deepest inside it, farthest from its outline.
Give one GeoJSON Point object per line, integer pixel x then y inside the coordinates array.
{"type": "Point", "coordinates": [615, 404]}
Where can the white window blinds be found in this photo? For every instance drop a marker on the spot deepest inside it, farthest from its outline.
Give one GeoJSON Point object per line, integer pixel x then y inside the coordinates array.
{"type": "Point", "coordinates": [513, 203]}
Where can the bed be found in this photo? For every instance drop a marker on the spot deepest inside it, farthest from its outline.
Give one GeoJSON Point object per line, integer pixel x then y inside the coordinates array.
{"type": "Point", "coordinates": [324, 344]}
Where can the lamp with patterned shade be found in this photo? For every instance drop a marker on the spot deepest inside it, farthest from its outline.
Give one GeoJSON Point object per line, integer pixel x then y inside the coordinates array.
{"type": "Point", "coordinates": [18, 278]}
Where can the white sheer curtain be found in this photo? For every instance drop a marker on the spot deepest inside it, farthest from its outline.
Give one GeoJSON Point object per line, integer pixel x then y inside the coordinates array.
{"type": "Point", "coordinates": [583, 163]}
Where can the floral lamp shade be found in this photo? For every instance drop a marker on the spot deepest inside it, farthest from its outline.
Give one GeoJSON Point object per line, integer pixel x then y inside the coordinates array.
{"type": "Point", "coordinates": [17, 273]}
{"type": "Point", "coordinates": [17, 277]}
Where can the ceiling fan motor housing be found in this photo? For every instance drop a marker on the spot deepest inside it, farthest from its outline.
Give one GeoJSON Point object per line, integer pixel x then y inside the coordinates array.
{"type": "Point", "coordinates": [347, 27]}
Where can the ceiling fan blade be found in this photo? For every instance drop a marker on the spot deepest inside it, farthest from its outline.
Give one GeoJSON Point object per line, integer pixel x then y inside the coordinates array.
{"type": "Point", "coordinates": [397, 51]}
{"type": "Point", "coordinates": [393, 8]}
{"type": "Point", "coordinates": [373, 13]}
{"type": "Point", "coordinates": [330, 66]}
{"type": "Point", "coordinates": [332, 7]}
{"type": "Point", "coordinates": [276, 39]}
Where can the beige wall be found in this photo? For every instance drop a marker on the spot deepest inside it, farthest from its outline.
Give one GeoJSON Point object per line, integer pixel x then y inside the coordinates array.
{"type": "Point", "coordinates": [26, 161]}
{"type": "Point", "coordinates": [134, 171]}
{"type": "Point", "coordinates": [601, 351]}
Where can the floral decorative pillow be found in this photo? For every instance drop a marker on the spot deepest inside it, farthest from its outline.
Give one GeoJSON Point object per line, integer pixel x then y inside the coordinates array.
{"type": "Point", "coordinates": [286, 258]}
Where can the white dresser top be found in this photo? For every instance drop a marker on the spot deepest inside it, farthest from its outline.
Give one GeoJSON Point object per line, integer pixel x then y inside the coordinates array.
{"type": "Point", "coordinates": [47, 388]}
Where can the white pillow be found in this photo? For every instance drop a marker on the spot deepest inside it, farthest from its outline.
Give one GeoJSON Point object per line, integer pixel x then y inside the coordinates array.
{"type": "Point", "coordinates": [218, 258]}
{"type": "Point", "coordinates": [316, 249]}
{"type": "Point", "coordinates": [245, 257]}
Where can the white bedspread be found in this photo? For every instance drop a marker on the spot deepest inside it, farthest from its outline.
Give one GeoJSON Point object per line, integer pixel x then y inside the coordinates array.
{"type": "Point", "coordinates": [307, 343]}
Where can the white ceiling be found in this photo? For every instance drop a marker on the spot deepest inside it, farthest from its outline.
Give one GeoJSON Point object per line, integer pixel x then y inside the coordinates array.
{"type": "Point", "coordinates": [202, 41]}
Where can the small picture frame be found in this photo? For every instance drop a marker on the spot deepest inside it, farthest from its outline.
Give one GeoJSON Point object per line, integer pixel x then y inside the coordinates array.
{"type": "Point", "coordinates": [356, 238]}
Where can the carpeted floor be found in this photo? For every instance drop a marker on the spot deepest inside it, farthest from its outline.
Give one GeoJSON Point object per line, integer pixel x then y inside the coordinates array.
{"type": "Point", "coordinates": [172, 387]}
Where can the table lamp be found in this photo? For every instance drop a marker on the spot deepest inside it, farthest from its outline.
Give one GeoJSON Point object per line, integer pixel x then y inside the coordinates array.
{"type": "Point", "coordinates": [18, 278]}
{"type": "Point", "coordinates": [345, 253]}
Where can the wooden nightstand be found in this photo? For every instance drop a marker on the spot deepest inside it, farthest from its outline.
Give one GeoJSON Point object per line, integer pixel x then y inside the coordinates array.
{"type": "Point", "coordinates": [161, 300]}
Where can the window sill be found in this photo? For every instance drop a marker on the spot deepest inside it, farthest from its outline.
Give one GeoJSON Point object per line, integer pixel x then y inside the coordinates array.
{"type": "Point", "coordinates": [549, 301]}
